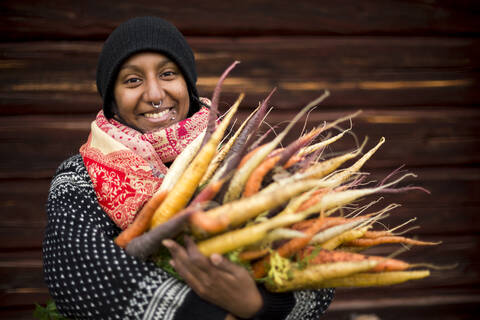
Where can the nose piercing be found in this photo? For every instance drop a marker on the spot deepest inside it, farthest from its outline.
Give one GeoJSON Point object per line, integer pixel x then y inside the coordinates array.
{"type": "Point", "coordinates": [156, 106]}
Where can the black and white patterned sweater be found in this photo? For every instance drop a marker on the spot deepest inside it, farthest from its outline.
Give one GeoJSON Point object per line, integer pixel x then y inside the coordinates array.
{"type": "Point", "coordinates": [89, 277]}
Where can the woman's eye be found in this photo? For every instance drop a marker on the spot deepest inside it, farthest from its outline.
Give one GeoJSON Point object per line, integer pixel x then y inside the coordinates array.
{"type": "Point", "coordinates": [168, 75]}
{"type": "Point", "coordinates": [132, 81]}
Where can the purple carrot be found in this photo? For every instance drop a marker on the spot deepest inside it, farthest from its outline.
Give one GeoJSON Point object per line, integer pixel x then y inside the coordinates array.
{"type": "Point", "coordinates": [245, 138]}
{"type": "Point", "coordinates": [263, 137]}
{"type": "Point", "coordinates": [212, 116]}
{"type": "Point", "coordinates": [398, 190]}
{"type": "Point", "coordinates": [296, 145]}
{"type": "Point", "coordinates": [147, 244]}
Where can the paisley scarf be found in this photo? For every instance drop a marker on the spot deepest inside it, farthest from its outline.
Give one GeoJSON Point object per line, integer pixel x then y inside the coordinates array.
{"type": "Point", "coordinates": [127, 167]}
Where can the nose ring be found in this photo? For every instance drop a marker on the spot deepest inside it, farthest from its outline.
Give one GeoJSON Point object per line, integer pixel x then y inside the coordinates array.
{"type": "Point", "coordinates": [156, 106]}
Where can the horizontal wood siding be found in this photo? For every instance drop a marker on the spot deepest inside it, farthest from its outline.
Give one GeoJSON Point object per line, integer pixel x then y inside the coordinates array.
{"type": "Point", "coordinates": [412, 67]}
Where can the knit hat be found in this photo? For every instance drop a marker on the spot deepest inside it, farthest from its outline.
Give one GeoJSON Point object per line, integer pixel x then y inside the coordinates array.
{"type": "Point", "coordinates": [138, 35]}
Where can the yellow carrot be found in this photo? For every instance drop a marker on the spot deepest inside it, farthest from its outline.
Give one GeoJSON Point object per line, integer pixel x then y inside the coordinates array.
{"type": "Point", "coordinates": [315, 275]}
{"type": "Point", "coordinates": [180, 164]}
{"type": "Point", "coordinates": [320, 170]}
{"type": "Point", "coordinates": [344, 175]}
{"type": "Point", "coordinates": [183, 190]}
{"type": "Point", "coordinates": [374, 279]}
{"type": "Point", "coordinates": [310, 149]}
{"type": "Point", "coordinates": [238, 238]}
{"type": "Point", "coordinates": [225, 149]}
{"type": "Point", "coordinates": [344, 237]}
{"type": "Point", "coordinates": [337, 199]}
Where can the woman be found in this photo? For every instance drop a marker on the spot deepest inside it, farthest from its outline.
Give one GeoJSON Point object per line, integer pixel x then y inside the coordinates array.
{"type": "Point", "coordinates": [151, 111]}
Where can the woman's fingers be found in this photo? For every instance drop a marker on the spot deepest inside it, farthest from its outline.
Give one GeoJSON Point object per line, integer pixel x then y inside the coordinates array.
{"type": "Point", "coordinates": [198, 259]}
{"type": "Point", "coordinates": [180, 263]}
{"type": "Point", "coordinates": [216, 279]}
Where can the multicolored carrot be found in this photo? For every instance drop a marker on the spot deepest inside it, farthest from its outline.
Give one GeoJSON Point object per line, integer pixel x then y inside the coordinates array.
{"type": "Point", "coordinates": [243, 141]}
{"type": "Point", "coordinates": [183, 190]}
{"type": "Point", "coordinates": [238, 238]}
{"type": "Point", "coordinates": [221, 155]}
{"type": "Point", "coordinates": [241, 175]}
{"type": "Point", "coordinates": [237, 212]}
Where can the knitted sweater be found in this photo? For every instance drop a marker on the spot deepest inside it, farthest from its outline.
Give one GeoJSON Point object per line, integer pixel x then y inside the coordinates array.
{"type": "Point", "coordinates": [89, 277]}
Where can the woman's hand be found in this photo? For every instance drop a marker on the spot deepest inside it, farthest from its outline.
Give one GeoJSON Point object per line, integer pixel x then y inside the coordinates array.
{"type": "Point", "coordinates": [216, 279]}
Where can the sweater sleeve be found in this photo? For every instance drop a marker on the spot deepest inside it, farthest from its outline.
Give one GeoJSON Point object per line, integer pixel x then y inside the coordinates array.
{"type": "Point", "coordinates": [89, 277]}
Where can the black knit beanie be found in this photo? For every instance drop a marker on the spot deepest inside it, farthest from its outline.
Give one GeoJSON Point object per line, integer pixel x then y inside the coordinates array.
{"type": "Point", "coordinates": [138, 35]}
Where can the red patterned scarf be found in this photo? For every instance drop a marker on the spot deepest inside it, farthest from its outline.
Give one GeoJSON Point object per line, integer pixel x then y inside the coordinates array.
{"type": "Point", "coordinates": [126, 167]}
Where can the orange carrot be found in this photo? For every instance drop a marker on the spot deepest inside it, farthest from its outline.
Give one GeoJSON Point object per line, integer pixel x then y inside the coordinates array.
{"type": "Point", "coordinates": [288, 249]}
{"type": "Point", "coordinates": [366, 242]}
{"type": "Point", "coordinates": [314, 256]}
{"type": "Point", "coordinates": [328, 222]}
{"type": "Point", "coordinates": [316, 196]}
{"type": "Point", "coordinates": [254, 182]}
{"type": "Point", "coordinates": [248, 156]}
{"type": "Point", "coordinates": [253, 254]}
{"type": "Point", "coordinates": [294, 159]}
{"type": "Point", "coordinates": [142, 220]}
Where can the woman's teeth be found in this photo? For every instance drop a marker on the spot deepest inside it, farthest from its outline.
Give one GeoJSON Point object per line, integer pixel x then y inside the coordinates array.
{"type": "Point", "coordinates": [157, 114]}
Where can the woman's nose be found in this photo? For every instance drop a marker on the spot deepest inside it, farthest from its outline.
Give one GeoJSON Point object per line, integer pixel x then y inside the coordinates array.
{"type": "Point", "coordinates": [154, 91]}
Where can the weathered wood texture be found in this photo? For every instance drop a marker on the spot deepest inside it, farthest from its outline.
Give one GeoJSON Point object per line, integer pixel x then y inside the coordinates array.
{"type": "Point", "coordinates": [378, 72]}
{"type": "Point", "coordinates": [412, 66]}
{"type": "Point", "coordinates": [65, 19]}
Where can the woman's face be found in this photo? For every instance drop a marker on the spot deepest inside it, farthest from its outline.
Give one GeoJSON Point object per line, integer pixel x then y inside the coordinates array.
{"type": "Point", "coordinates": [149, 78]}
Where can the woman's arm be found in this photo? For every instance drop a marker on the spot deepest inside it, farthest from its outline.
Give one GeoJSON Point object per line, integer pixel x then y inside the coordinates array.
{"type": "Point", "coordinates": [90, 277]}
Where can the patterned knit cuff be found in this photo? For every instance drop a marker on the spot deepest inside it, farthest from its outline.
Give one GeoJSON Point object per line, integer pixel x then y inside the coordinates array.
{"type": "Point", "coordinates": [275, 305]}
{"type": "Point", "coordinates": [195, 308]}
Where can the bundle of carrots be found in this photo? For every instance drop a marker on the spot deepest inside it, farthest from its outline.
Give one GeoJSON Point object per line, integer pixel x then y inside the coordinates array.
{"type": "Point", "coordinates": [279, 211]}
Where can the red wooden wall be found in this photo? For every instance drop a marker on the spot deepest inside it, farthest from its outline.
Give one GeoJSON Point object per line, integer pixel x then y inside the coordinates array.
{"type": "Point", "coordinates": [411, 66]}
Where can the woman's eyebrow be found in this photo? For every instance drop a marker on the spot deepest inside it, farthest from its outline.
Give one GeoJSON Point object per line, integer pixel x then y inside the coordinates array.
{"type": "Point", "coordinates": [136, 68]}
{"type": "Point", "coordinates": [130, 66]}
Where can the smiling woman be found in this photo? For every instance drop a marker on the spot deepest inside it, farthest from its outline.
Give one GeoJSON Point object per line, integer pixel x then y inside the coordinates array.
{"type": "Point", "coordinates": [151, 112]}
{"type": "Point", "coordinates": [150, 92]}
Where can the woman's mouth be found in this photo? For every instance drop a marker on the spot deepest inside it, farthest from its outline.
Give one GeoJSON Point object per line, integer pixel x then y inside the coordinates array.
{"type": "Point", "coordinates": [167, 114]}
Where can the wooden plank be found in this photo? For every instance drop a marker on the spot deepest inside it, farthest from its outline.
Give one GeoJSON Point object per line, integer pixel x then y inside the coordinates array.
{"type": "Point", "coordinates": [367, 72]}
{"type": "Point", "coordinates": [24, 269]}
{"type": "Point", "coordinates": [25, 19]}
{"type": "Point", "coordinates": [23, 281]}
{"type": "Point", "coordinates": [22, 205]}
{"type": "Point", "coordinates": [415, 137]}
{"type": "Point", "coordinates": [416, 307]}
